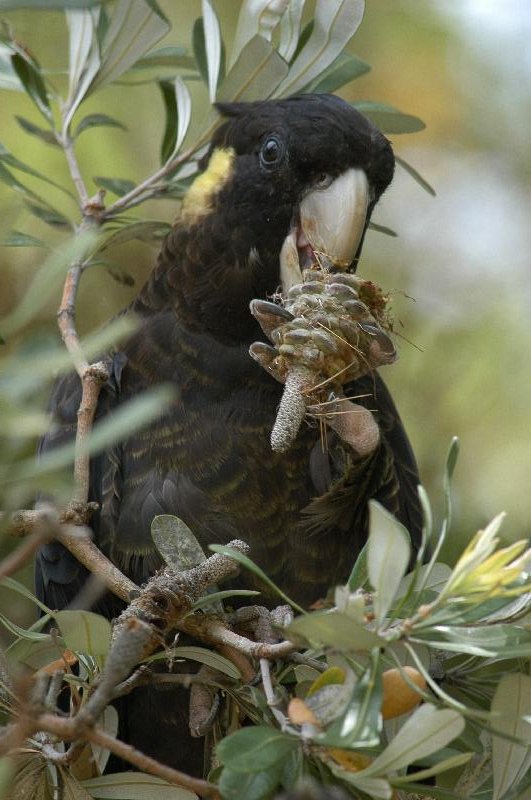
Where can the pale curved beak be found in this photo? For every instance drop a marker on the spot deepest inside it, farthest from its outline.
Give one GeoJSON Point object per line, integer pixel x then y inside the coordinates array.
{"type": "Point", "coordinates": [331, 225]}
{"type": "Point", "coordinates": [333, 219]}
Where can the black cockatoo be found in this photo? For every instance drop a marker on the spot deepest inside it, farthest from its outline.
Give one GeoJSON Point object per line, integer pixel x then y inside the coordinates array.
{"type": "Point", "coordinates": [273, 170]}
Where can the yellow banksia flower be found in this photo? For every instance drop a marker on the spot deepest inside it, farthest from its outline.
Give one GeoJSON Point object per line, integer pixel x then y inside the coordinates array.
{"type": "Point", "coordinates": [483, 572]}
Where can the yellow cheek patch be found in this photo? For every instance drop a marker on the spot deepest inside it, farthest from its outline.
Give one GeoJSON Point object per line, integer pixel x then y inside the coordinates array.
{"type": "Point", "coordinates": [198, 199]}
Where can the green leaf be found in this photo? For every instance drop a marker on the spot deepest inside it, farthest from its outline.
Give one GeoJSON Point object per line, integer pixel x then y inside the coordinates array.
{"type": "Point", "coordinates": [84, 61]}
{"type": "Point", "coordinates": [440, 766]}
{"type": "Point", "coordinates": [290, 26]}
{"type": "Point", "coordinates": [133, 30]}
{"type": "Point", "coordinates": [22, 633]}
{"type": "Point", "coordinates": [183, 112]}
{"type": "Point", "coordinates": [47, 281]}
{"type": "Point", "coordinates": [49, 215]}
{"type": "Point", "coordinates": [388, 557]}
{"type": "Point", "coordinates": [359, 574]}
{"type": "Point", "coordinates": [389, 119]}
{"type": "Point", "coordinates": [20, 239]}
{"type": "Point", "coordinates": [45, 5]}
{"type": "Point", "coordinates": [256, 17]}
{"type": "Point", "coordinates": [201, 654]}
{"type": "Point", "coordinates": [333, 629]}
{"type": "Point", "coordinates": [255, 749]}
{"type": "Point", "coordinates": [151, 231]}
{"type": "Point", "coordinates": [217, 597]}
{"type": "Point", "coordinates": [360, 724]}
{"type": "Point", "coordinates": [28, 72]}
{"type": "Point", "coordinates": [46, 136]}
{"type": "Point", "coordinates": [234, 785]}
{"type": "Point", "coordinates": [170, 56]}
{"type": "Point", "coordinates": [8, 78]}
{"type": "Point", "coordinates": [342, 70]}
{"type": "Point", "coordinates": [427, 731]}
{"type": "Point", "coordinates": [176, 543]}
{"type": "Point", "coordinates": [415, 175]}
{"type": "Point", "coordinates": [15, 586]}
{"type": "Point", "coordinates": [508, 641]}
{"type": "Point", "coordinates": [335, 23]}
{"type": "Point", "coordinates": [36, 654]}
{"type": "Point", "coordinates": [134, 786]}
{"type": "Point", "coordinates": [212, 39]}
{"type": "Point", "coordinates": [118, 186]}
{"type": "Point", "coordinates": [256, 73]}
{"type": "Point", "coordinates": [250, 565]}
{"type": "Point", "coordinates": [108, 721]}
{"type": "Point", "coordinates": [511, 761]}
{"type": "Point", "coordinates": [98, 121]}
{"type": "Point", "coordinates": [169, 137]}
{"type": "Point", "coordinates": [85, 631]}
{"type": "Point", "coordinates": [7, 158]}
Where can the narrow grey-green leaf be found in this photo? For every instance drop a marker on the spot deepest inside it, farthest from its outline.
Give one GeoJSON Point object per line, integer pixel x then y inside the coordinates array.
{"type": "Point", "coordinates": [447, 763]}
{"type": "Point", "coordinates": [35, 654]}
{"type": "Point", "coordinates": [151, 231]}
{"type": "Point", "coordinates": [290, 26]}
{"type": "Point", "coordinates": [19, 588]}
{"type": "Point", "coordinates": [256, 73]}
{"type": "Point", "coordinates": [250, 565]}
{"type": "Point", "coordinates": [15, 163]}
{"type": "Point", "coordinates": [388, 557]}
{"type": "Point", "coordinates": [109, 723]}
{"type": "Point", "coordinates": [256, 17]}
{"type": "Point", "coordinates": [388, 118]}
{"type": "Point", "coordinates": [133, 30]}
{"type": "Point", "coordinates": [8, 76]}
{"type": "Point", "coordinates": [134, 786]}
{"type": "Point", "coordinates": [216, 597]}
{"type": "Point", "coordinates": [511, 761]}
{"type": "Point", "coordinates": [22, 633]}
{"type": "Point", "coordinates": [169, 137]}
{"type": "Point", "coordinates": [44, 5]}
{"type": "Point", "coordinates": [82, 26]}
{"type": "Point", "coordinates": [359, 574]}
{"type": "Point", "coordinates": [85, 631]}
{"type": "Point", "coordinates": [212, 45]}
{"type": "Point", "coordinates": [342, 70]}
{"type": "Point", "coordinates": [333, 629]}
{"type": "Point", "coordinates": [176, 543]}
{"type": "Point", "coordinates": [335, 23]}
{"type": "Point", "coordinates": [169, 56]}
{"type": "Point", "coordinates": [20, 239]}
{"type": "Point", "coordinates": [43, 134]}
{"type": "Point", "coordinates": [255, 749]}
{"type": "Point", "coordinates": [203, 656]}
{"type": "Point", "coordinates": [427, 731]}
{"type": "Point", "coordinates": [118, 186]}
{"type": "Point", "coordinates": [50, 215]}
{"type": "Point", "coordinates": [360, 724]}
{"type": "Point", "coordinates": [98, 121]}
{"type": "Point", "coordinates": [415, 175]}
{"type": "Point", "coordinates": [490, 641]}
{"type": "Point", "coordinates": [47, 280]}
{"type": "Point", "coordinates": [183, 112]}
{"type": "Point", "coordinates": [373, 226]}
{"type": "Point", "coordinates": [30, 76]}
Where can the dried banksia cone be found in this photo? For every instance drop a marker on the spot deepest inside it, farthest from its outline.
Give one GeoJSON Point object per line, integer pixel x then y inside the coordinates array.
{"type": "Point", "coordinates": [327, 331]}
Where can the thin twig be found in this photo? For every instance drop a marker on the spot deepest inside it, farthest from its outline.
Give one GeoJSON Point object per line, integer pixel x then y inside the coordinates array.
{"type": "Point", "coordinates": [70, 729]}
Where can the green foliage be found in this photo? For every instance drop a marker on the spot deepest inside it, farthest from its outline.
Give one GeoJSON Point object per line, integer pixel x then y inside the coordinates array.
{"type": "Point", "coordinates": [462, 629]}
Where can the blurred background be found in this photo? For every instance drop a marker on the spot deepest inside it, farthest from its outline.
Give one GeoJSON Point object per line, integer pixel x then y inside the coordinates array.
{"type": "Point", "coordinates": [458, 269]}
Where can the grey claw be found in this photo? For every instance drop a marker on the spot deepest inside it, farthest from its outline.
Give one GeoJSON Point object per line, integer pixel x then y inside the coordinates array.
{"type": "Point", "coordinates": [269, 315]}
